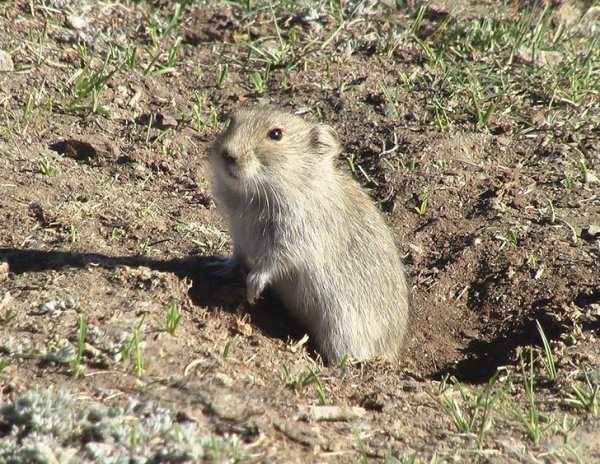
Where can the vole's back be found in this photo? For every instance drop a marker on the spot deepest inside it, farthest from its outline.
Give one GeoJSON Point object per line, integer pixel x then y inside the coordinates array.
{"type": "Point", "coordinates": [351, 289]}
{"type": "Point", "coordinates": [329, 254]}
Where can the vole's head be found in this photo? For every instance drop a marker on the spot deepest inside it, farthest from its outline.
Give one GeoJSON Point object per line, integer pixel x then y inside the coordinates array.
{"type": "Point", "coordinates": [263, 144]}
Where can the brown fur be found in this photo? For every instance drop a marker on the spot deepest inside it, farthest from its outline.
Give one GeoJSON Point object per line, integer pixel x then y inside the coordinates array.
{"type": "Point", "coordinates": [306, 229]}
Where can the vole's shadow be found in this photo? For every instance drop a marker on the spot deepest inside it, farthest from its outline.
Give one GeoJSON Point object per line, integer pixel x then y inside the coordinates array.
{"type": "Point", "coordinates": [207, 290]}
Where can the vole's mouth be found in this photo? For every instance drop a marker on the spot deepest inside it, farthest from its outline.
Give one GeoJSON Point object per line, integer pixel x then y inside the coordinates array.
{"type": "Point", "coordinates": [232, 164]}
{"type": "Point", "coordinates": [233, 171]}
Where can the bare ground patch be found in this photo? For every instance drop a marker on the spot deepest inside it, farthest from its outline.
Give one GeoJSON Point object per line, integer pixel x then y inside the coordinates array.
{"type": "Point", "coordinates": [484, 157]}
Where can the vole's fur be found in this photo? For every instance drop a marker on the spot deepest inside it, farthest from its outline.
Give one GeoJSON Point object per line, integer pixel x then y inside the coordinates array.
{"type": "Point", "coordinates": [306, 229]}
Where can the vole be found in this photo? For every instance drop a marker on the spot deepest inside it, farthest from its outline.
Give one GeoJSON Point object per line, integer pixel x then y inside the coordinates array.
{"type": "Point", "coordinates": [306, 229]}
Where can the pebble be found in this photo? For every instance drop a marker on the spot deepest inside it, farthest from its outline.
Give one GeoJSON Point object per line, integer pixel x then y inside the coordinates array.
{"type": "Point", "coordinates": [6, 62]}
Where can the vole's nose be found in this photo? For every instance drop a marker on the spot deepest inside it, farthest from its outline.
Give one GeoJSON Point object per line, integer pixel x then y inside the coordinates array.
{"type": "Point", "coordinates": [228, 156]}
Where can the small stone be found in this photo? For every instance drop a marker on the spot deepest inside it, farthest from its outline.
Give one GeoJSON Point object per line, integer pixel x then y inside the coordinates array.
{"type": "Point", "coordinates": [55, 307]}
{"type": "Point", "coordinates": [64, 355]}
{"type": "Point", "coordinates": [300, 433]}
{"type": "Point", "coordinates": [167, 121]}
{"type": "Point", "coordinates": [549, 58]}
{"type": "Point", "coordinates": [4, 270]}
{"type": "Point", "coordinates": [592, 232]}
{"type": "Point", "coordinates": [228, 406]}
{"type": "Point", "coordinates": [538, 119]}
{"type": "Point", "coordinates": [540, 57]}
{"type": "Point", "coordinates": [223, 379]}
{"type": "Point", "coordinates": [332, 413]}
{"type": "Point", "coordinates": [141, 171]}
{"type": "Point", "coordinates": [591, 178]}
{"type": "Point", "coordinates": [593, 376]}
{"type": "Point", "coordinates": [6, 299]}
{"type": "Point", "coordinates": [157, 120]}
{"type": "Point", "coordinates": [6, 62]}
{"type": "Point", "coordinates": [86, 147]}
{"type": "Point", "coordinates": [373, 402]}
{"type": "Point", "coordinates": [416, 249]}
{"type": "Point", "coordinates": [566, 14]}
{"type": "Point", "coordinates": [590, 22]}
{"type": "Point", "coordinates": [390, 111]}
{"type": "Point", "coordinates": [503, 141]}
{"type": "Point", "coordinates": [76, 22]}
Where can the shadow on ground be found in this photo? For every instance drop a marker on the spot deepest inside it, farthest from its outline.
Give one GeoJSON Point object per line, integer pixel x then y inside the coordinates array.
{"type": "Point", "coordinates": [480, 360]}
{"type": "Point", "coordinates": [484, 357]}
{"type": "Point", "coordinates": [206, 290]}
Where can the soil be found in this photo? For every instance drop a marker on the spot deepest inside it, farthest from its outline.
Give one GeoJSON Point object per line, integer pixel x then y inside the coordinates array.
{"type": "Point", "coordinates": [123, 229]}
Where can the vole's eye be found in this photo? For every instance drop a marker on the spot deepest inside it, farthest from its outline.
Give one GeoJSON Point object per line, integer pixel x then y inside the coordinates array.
{"type": "Point", "coordinates": [275, 134]}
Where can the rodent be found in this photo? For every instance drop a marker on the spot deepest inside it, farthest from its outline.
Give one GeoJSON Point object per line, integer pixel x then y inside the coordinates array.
{"type": "Point", "coordinates": [308, 230]}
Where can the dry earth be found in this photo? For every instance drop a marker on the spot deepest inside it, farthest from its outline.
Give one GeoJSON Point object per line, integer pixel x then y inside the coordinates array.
{"type": "Point", "coordinates": [489, 181]}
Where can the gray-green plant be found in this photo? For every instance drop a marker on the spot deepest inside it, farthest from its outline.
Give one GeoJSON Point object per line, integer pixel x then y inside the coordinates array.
{"type": "Point", "coordinates": [441, 115]}
{"type": "Point", "coordinates": [47, 168]}
{"type": "Point", "coordinates": [560, 72]}
{"type": "Point", "coordinates": [3, 363]}
{"type": "Point", "coordinates": [9, 315]}
{"type": "Point", "coordinates": [156, 68]}
{"type": "Point", "coordinates": [552, 211]}
{"type": "Point", "coordinates": [72, 233]}
{"type": "Point", "coordinates": [173, 318]}
{"type": "Point", "coordinates": [81, 334]}
{"type": "Point", "coordinates": [471, 411]}
{"type": "Point", "coordinates": [421, 208]}
{"type": "Point", "coordinates": [511, 237]}
{"type": "Point", "coordinates": [260, 79]}
{"type": "Point", "coordinates": [585, 397]}
{"type": "Point", "coordinates": [135, 349]}
{"type": "Point", "coordinates": [44, 425]}
{"type": "Point", "coordinates": [222, 70]}
{"type": "Point", "coordinates": [88, 83]}
{"type": "Point", "coordinates": [204, 116]}
{"type": "Point", "coordinates": [132, 58]}
{"type": "Point", "coordinates": [298, 381]}
{"type": "Point", "coordinates": [230, 345]}
{"type": "Point", "coordinates": [548, 360]}
{"type": "Point", "coordinates": [530, 417]}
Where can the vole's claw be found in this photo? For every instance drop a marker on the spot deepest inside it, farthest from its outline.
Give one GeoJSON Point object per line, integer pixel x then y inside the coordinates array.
{"type": "Point", "coordinates": [250, 295]}
{"type": "Point", "coordinates": [255, 284]}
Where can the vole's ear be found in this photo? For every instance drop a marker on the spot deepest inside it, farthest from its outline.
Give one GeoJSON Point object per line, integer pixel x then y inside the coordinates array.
{"type": "Point", "coordinates": [324, 140]}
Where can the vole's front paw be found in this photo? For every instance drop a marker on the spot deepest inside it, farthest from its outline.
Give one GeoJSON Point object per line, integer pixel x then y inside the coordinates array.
{"type": "Point", "coordinates": [255, 284]}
